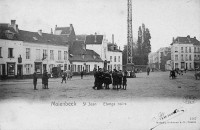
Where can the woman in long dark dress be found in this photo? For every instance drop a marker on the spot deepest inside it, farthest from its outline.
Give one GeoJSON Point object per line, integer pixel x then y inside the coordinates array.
{"type": "Point", "coordinates": [45, 80]}
{"type": "Point", "coordinates": [35, 80]}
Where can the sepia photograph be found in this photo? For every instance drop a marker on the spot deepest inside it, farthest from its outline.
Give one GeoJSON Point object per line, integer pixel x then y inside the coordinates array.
{"type": "Point", "coordinates": [99, 64]}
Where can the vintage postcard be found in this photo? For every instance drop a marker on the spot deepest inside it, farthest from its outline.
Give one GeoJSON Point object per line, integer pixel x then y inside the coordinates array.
{"type": "Point", "coordinates": [99, 64]}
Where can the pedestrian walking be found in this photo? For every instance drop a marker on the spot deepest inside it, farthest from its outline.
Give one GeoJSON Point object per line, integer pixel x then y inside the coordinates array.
{"type": "Point", "coordinates": [95, 78]}
{"type": "Point", "coordinates": [35, 80]}
{"type": "Point", "coordinates": [45, 80]}
{"type": "Point", "coordinates": [124, 82]}
{"type": "Point", "coordinates": [82, 74]}
{"type": "Point", "coordinates": [172, 74]}
{"type": "Point", "coordinates": [148, 70]}
{"type": "Point", "coordinates": [64, 75]}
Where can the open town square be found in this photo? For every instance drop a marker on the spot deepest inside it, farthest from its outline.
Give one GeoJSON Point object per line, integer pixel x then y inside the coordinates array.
{"type": "Point", "coordinates": [156, 85]}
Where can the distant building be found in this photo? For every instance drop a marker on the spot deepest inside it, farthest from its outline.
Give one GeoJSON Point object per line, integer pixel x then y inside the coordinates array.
{"type": "Point", "coordinates": [114, 55]}
{"type": "Point", "coordinates": [158, 59]}
{"type": "Point", "coordinates": [185, 53]}
{"type": "Point", "coordinates": [108, 52]}
{"type": "Point", "coordinates": [80, 57]}
{"type": "Point", "coordinates": [83, 59]}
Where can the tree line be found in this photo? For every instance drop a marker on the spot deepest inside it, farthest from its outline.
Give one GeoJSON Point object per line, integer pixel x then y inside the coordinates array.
{"type": "Point", "coordinates": [141, 48]}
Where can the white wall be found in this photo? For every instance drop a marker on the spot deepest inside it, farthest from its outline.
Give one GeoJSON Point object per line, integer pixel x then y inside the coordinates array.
{"type": "Point", "coordinates": [179, 53]}
{"type": "Point", "coordinates": [17, 51]}
{"type": "Point", "coordinates": [112, 63]}
{"type": "Point", "coordinates": [92, 65]}
{"type": "Point", "coordinates": [55, 62]}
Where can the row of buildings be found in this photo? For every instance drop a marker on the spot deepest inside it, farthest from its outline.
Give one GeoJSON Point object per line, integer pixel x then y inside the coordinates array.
{"type": "Point", "coordinates": [23, 52]}
{"type": "Point", "coordinates": [184, 53]}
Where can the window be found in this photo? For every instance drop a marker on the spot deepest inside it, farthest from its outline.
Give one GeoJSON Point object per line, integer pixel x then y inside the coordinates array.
{"type": "Point", "coordinates": [118, 66]}
{"type": "Point", "coordinates": [114, 66]}
{"type": "Point", "coordinates": [198, 49]}
{"type": "Point", "coordinates": [118, 58]}
{"type": "Point", "coordinates": [185, 49]}
{"type": "Point", "coordinates": [190, 65]}
{"type": "Point", "coordinates": [115, 59]}
{"type": "Point", "coordinates": [186, 57]}
{"type": "Point", "coordinates": [27, 53]}
{"type": "Point", "coordinates": [51, 55]}
{"type": "Point", "coordinates": [182, 57]}
{"type": "Point", "coordinates": [176, 57]}
{"type": "Point", "coordinates": [10, 53]}
{"type": "Point", "coordinates": [59, 55]}
{"type": "Point", "coordinates": [190, 58]}
{"type": "Point", "coordinates": [182, 65]}
{"type": "Point", "coordinates": [0, 52]}
{"type": "Point", "coordinates": [194, 49]}
{"type": "Point", "coordinates": [176, 65]}
{"type": "Point", "coordinates": [189, 49]}
{"type": "Point", "coordinates": [28, 68]}
{"type": "Point", "coordinates": [38, 54]}
{"type": "Point", "coordinates": [65, 55]}
{"type": "Point", "coordinates": [181, 49]}
{"type": "Point", "coordinates": [176, 49]}
{"type": "Point", "coordinates": [195, 57]}
{"type": "Point", "coordinates": [110, 58]}
{"type": "Point", "coordinates": [44, 54]}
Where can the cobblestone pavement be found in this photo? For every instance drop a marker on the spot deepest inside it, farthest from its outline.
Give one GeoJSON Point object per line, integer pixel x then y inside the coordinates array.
{"type": "Point", "coordinates": [156, 85]}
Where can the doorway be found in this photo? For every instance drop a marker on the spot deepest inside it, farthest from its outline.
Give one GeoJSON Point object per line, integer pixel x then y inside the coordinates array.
{"type": "Point", "coordinates": [19, 71]}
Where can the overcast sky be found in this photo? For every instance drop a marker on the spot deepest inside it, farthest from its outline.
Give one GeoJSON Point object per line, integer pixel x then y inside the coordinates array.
{"type": "Point", "coordinates": [164, 18]}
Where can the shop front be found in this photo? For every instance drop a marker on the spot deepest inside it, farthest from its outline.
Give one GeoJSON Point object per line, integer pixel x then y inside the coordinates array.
{"type": "Point", "coordinates": [38, 67]}
{"type": "Point", "coordinates": [10, 69]}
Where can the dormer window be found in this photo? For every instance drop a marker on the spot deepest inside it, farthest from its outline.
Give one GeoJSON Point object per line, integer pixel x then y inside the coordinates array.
{"type": "Point", "coordinates": [83, 56]}
{"type": "Point", "coordinates": [94, 57]}
{"type": "Point", "coordinates": [35, 38]}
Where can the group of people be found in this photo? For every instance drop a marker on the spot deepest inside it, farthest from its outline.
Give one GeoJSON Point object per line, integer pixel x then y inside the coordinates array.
{"type": "Point", "coordinates": [103, 79]}
{"type": "Point", "coordinates": [45, 79]}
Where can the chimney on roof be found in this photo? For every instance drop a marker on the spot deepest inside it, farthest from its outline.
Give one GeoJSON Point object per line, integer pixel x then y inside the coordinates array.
{"type": "Point", "coordinates": [95, 37]}
{"type": "Point", "coordinates": [71, 27]}
{"type": "Point", "coordinates": [188, 36]}
{"type": "Point", "coordinates": [14, 25]}
{"type": "Point", "coordinates": [195, 37]}
{"type": "Point", "coordinates": [40, 32]}
{"type": "Point", "coordinates": [51, 31]}
{"type": "Point", "coordinates": [13, 22]}
{"type": "Point", "coordinates": [112, 38]}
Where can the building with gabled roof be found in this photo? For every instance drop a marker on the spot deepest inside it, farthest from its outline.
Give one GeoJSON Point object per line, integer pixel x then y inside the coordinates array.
{"type": "Point", "coordinates": [83, 59]}
{"type": "Point", "coordinates": [114, 55]}
{"type": "Point", "coordinates": [185, 53]}
{"type": "Point", "coordinates": [109, 52]}
{"type": "Point", "coordinates": [23, 52]}
{"type": "Point", "coordinates": [66, 33]}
